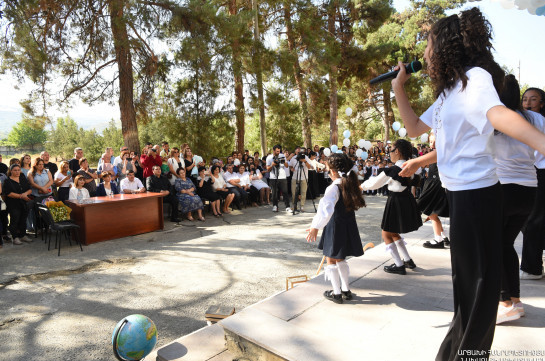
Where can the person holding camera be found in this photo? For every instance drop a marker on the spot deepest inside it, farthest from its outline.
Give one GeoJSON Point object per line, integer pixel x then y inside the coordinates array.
{"type": "Point", "coordinates": [278, 170]}
{"type": "Point", "coordinates": [299, 166]}
{"type": "Point", "coordinates": [148, 159]}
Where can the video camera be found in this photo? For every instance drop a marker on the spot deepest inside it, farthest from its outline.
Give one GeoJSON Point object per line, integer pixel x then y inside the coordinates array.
{"type": "Point", "coordinates": [277, 160]}
{"type": "Point", "coordinates": [301, 155]}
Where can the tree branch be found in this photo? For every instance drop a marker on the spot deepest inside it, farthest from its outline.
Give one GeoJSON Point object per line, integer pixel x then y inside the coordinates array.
{"type": "Point", "coordinates": [83, 85]}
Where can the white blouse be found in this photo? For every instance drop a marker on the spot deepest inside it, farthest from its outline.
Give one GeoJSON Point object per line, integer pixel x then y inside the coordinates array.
{"type": "Point", "coordinates": [73, 195]}
{"type": "Point", "coordinates": [327, 205]}
{"type": "Point", "coordinates": [219, 183]}
{"type": "Point", "coordinates": [383, 179]}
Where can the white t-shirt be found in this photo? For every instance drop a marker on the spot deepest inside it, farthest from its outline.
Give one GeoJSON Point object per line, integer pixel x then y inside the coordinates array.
{"type": "Point", "coordinates": [296, 164]}
{"type": "Point", "coordinates": [67, 183]}
{"type": "Point", "coordinates": [515, 159]}
{"type": "Point", "coordinates": [538, 121]}
{"type": "Point", "coordinates": [133, 186]}
{"type": "Point", "coordinates": [244, 179]}
{"type": "Point", "coordinates": [280, 171]}
{"type": "Point", "coordinates": [464, 135]}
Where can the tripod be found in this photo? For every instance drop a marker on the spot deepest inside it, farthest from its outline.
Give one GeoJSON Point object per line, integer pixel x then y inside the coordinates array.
{"type": "Point", "coordinates": [297, 191]}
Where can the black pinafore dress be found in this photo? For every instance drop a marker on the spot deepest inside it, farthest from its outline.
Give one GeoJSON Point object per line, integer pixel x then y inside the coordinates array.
{"type": "Point", "coordinates": [341, 237]}
{"type": "Point", "coordinates": [433, 199]}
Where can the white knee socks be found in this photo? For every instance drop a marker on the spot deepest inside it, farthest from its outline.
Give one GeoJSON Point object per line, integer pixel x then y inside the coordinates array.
{"type": "Point", "coordinates": [392, 249]}
{"type": "Point", "coordinates": [400, 243]}
{"type": "Point", "coordinates": [332, 273]}
{"type": "Point", "coordinates": [344, 272]}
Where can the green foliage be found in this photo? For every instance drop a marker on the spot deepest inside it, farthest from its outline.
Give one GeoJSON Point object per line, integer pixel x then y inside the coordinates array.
{"type": "Point", "coordinates": [28, 133]}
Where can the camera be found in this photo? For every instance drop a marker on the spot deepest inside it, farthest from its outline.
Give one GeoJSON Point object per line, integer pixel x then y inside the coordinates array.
{"type": "Point", "coordinates": [279, 160]}
{"type": "Point", "coordinates": [301, 155]}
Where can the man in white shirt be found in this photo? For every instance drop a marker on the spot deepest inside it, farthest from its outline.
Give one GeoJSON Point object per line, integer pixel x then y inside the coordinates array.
{"type": "Point", "coordinates": [131, 184]}
{"type": "Point", "coordinates": [232, 180]}
{"type": "Point", "coordinates": [278, 171]}
{"type": "Point", "coordinates": [299, 166]}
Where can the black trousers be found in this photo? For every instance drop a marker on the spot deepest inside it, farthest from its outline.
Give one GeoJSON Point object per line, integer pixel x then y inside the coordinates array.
{"type": "Point", "coordinates": [238, 196]}
{"type": "Point", "coordinates": [534, 233]}
{"type": "Point", "coordinates": [475, 236]}
{"type": "Point", "coordinates": [276, 185]}
{"type": "Point", "coordinates": [17, 220]}
{"type": "Point", "coordinates": [173, 201]}
{"type": "Point", "coordinates": [518, 202]}
{"type": "Point", "coordinates": [64, 193]}
{"type": "Point", "coordinates": [4, 221]}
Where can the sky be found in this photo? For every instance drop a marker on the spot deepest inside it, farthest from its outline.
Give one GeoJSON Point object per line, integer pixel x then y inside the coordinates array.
{"type": "Point", "coordinates": [516, 41]}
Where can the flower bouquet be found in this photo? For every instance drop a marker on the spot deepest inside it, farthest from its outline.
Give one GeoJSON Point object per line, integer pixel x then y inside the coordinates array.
{"type": "Point", "coordinates": [59, 211]}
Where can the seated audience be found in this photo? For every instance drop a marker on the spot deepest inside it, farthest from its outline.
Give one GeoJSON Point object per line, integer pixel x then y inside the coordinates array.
{"type": "Point", "coordinates": [107, 187]}
{"type": "Point", "coordinates": [205, 190]}
{"type": "Point", "coordinates": [131, 184]}
{"type": "Point", "coordinates": [232, 180]}
{"type": "Point", "coordinates": [185, 191]}
{"type": "Point", "coordinates": [158, 183]}
{"type": "Point", "coordinates": [257, 182]}
{"type": "Point", "coordinates": [78, 193]}
{"type": "Point", "coordinates": [220, 187]}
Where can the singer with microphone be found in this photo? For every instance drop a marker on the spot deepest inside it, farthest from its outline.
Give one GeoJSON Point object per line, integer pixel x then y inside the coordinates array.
{"type": "Point", "coordinates": [466, 111]}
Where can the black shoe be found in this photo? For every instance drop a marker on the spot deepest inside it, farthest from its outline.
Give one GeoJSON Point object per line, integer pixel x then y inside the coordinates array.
{"type": "Point", "coordinates": [429, 244]}
{"type": "Point", "coordinates": [410, 264]}
{"type": "Point", "coordinates": [333, 297]}
{"type": "Point", "coordinates": [395, 269]}
{"type": "Point", "coordinates": [347, 295]}
{"type": "Point", "coordinates": [175, 220]}
{"type": "Point", "coordinates": [446, 241]}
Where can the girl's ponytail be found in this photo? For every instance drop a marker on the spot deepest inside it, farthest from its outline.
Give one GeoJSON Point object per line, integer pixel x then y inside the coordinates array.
{"type": "Point", "coordinates": [350, 186]}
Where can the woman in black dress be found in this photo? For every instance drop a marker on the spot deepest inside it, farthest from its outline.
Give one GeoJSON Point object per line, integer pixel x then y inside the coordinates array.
{"type": "Point", "coordinates": [433, 203]}
{"type": "Point", "coordinates": [205, 190]}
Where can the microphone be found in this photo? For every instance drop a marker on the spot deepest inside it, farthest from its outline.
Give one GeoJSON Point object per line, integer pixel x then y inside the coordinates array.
{"type": "Point", "coordinates": [409, 68]}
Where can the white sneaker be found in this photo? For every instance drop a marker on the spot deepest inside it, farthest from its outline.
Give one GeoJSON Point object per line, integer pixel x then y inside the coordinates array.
{"type": "Point", "coordinates": [506, 314]}
{"type": "Point", "coordinates": [520, 308]}
{"type": "Point", "coordinates": [302, 209]}
{"type": "Point", "coordinates": [17, 241]}
{"type": "Point", "coordinates": [289, 210]}
{"type": "Point", "coordinates": [275, 209]}
{"type": "Point", "coordinates": [528, 276]}
{"type": "Point", "coordinates": [26, 239]}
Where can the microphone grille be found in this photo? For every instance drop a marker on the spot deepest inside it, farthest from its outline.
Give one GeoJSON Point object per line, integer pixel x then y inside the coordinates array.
{"type": "Point", "coordinates": [416, 66]}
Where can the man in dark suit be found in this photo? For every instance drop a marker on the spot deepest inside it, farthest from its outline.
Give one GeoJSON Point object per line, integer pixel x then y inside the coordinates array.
{"type": "Point", "coordinates": [158, 183]}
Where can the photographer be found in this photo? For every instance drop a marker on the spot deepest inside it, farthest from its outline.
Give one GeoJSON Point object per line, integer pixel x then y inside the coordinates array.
{"type": "Point", "coordinates": [149, 158]}
{"type": "Point", "coordinates": [299, 166]}
{"type": "Point", "coordinates": [277, 168]}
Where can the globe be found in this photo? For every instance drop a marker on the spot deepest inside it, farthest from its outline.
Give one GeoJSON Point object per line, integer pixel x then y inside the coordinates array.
{"type": "Point", "coordinates": [134, 338]}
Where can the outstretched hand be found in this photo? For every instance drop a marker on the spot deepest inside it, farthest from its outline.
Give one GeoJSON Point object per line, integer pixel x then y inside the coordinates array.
{"type": "Point", "coordinates": [312, 234]}
{"type": "Point", "coordinates": [409, 168]}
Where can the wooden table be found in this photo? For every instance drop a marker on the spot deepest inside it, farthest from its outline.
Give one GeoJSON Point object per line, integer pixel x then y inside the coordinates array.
{"type": "Point", "coordinates": [104, 218]}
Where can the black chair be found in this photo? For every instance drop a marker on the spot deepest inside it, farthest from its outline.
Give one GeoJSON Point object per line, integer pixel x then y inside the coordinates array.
{"type": "Point", "coordinates": [66, 228]}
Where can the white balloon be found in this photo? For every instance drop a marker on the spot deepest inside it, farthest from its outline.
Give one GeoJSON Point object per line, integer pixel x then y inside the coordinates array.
{"type": "Point", "coordinates": [411, 138]}
{"type": "Point", "coordinates": [532, 10]}
{"type": "Point", "coordinates": [396, 126]}
{"type": "Point", "coordinates": [346, 134]}
{"type": "Point", "coordinates": [327, 152]}
{"type": "Point", "coordinates": [361, 143]}
{"type": "Point", "coordinates": [339, 152]}
{"type": "Point", "coordinates": [364, 155]}
{"type": "Point", "coordinates": [236, 162]}
{"type": "Point", "coordinates": [348, 111]}
{"type": "Point", "coordinates": [334, 148]}
{"type": "Point", "coordinates": [522, 4]}
{"type": "Point", "coordinates": [346, 142]}
{"type": "Point", "coordinates": [359, 153]}
{"type": "Point", "coordinates": [368, 145]}
{"type": "Point", "coordinates": [537, 3]}
{"type": "Point", "coordinates": [424, 138]}
{"type": "Point", "coordinates": [402, 132]}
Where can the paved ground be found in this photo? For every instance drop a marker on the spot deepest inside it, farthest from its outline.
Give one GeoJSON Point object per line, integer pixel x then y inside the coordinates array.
{"type": "Point", "coordinates": [65, 308]}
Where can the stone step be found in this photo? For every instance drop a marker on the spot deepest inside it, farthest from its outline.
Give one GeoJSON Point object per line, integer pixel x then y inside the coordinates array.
{"type": "Point", "coordinates": [206, 344]}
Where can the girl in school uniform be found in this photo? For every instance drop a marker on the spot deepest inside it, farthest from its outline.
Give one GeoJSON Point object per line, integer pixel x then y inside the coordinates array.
{"type": "Point", "coordinates": [433, 203]}
{"type": "Point", "coordinates": [400, 213]}
{"type": "Point", "coordinates": [467, 110]}
{"type": "Point", "coordinates": [340, 236]}
{"type": "Point", "coordinates": [518, 180]}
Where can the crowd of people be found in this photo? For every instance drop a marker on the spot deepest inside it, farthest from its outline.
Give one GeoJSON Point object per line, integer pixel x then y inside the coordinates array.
{"type": "Point", "coordinates": [188, 181]}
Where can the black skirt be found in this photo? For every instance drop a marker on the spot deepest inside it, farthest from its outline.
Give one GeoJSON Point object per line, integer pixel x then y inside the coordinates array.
{"type": "Point", "coordinates": [401, 214]}
{"type": "Point", "coordinates": [433, 199]}
{"type": "Point", "coordinates": [341, 237]}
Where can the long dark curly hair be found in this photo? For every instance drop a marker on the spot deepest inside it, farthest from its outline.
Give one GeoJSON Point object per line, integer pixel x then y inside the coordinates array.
{"type": "Point", "coordinates": [350, 186]}
{"type": "Point", "coordinates": [459, 42]}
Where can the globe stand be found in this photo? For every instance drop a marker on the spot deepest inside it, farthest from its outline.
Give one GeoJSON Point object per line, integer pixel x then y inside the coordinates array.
{"type": "Point", "coordinates": [116, 354]}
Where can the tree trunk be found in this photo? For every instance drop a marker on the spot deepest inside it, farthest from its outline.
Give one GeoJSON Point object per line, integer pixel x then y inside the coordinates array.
{"type": "Point", "coordinates": [333, 128]}
{"type": "Point", "coordinates": [239, 91]}
{"type": "Point", "coordinates": [298, 74]}
{"type": "Point", "coordinates": [129, 128]}
{"type": "Point", "coordinates": [259, 79]}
